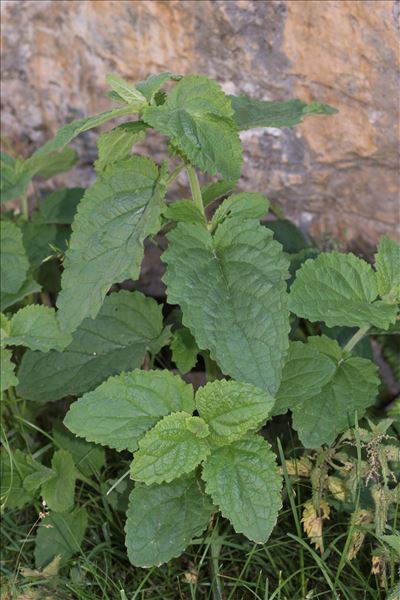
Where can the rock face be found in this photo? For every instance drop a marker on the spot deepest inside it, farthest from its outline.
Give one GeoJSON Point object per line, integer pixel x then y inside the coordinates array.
{"type": "Point", "coordinates": [336, 176]}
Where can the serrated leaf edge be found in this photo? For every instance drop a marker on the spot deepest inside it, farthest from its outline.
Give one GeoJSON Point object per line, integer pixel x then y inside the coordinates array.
{"type": "Point", "coordinates": [239, 530]}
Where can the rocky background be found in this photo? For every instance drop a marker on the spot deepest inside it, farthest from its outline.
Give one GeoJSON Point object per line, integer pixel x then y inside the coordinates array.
{"type": "Point", "coordinates": [335, 176]}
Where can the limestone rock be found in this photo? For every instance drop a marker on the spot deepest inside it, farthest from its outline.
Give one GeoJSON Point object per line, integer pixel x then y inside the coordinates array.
{"type": "Point", "coordinates": [336, 176]}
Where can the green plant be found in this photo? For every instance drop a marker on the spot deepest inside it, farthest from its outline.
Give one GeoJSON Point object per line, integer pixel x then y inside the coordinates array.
{"type": "Point", "coordinates": [240, 294]}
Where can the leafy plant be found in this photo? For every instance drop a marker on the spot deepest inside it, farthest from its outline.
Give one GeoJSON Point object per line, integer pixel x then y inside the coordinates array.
{"type": "Point", "coordinates": [241, 284]}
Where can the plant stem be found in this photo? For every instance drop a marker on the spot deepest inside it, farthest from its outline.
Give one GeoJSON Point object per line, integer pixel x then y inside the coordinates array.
{"type": "Point", "coordinates": [114, 485]}
{"type": "Point", "coordinates": [278, 212]}
{"type": "Point", "coordinates": [25, 206]}
{"type": "Point", "coordinates": [356, 338]}
{"type": "Point", "coordinates": [174, 174]}
{"type": "Point", "coordinates": [210, 367]}
{"type": "Point", "coordinates": [195, 187]}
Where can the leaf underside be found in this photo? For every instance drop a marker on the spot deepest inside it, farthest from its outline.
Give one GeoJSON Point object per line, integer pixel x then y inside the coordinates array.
{"type": "Point", "coordinates": [71, 130]}
{"type": "Point", "coordinates": [250, 112]}
{"type": "Point", "coordinates": [115, 145]}
{"type": "Point", "coordinates": [387, 264]}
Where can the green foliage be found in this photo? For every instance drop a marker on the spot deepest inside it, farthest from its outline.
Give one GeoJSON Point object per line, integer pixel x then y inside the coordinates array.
{"type": "Point", "coordinates": [184, 350]}
{"type": "Point", "coordinates": [28, 287]}
{"type": "Point", "coordinates": [14, 179]}
{"type": "Point", "coordinates": [46, 166]}
{"type": "Point", "coordinates": [293, 240]}
{"type": "Point", "coordinates": [7, 373]}
{"type": "Point", "coordinates": [172, 443]}
{"type": "Point", "coordinates": [128, 93]}
{"type": "Point", "coordinates": [58, 491]}
{"type": "Point", "coordinates": [197, 116]}
{"type": "Point", "coordinates": [216, 190]}
{"type": "Point", "coordinates": [67, 133]}
{"type": "Point", "coordinates": [304, 374]}
{"type": "Point", "coordinates": [243, 206]}
{"type": "Point", "coordinates": [170, 449]}
{"type": "Point", "coordinates": [16, 280]}
{"type": "Point", "coordinates": [151, 86]}
{"type": "Point", "coordinates": [88, 458]}
{"type": "Point", "coordinates": [390, 349]}
{"type": "Point", "coordinates": [43, 241]}
{"type": "Point", "coordinates": [126, 202]}
{"type": "Point", "coordinates": [59, 534]}
{"type": "Point", "coordinates": [59, 207]}
{"type": "Point", "coordinates": [184, 211]}
{"type": "Point", "coordinates": [116, 145]}
{"type": "Point", "coordinates": [327, 346]}
{"type": "Point", "coordinates": [14, 263]}
{"type": "Point", "coordinates": [40, 476]}
{"type": "Point", "coordinates": [14, 469]}
{"type": "Point", "coordinates": [162, 519]}
{"type": "Point", "coordinates": [215, 275]}
{"type": "Point", "coordinates": [341, 391]}
{"type": "Point", "coordinates": [16, 174]}
{"type": "Point", "coordinates": [127, 325]}
{"type": "Point", "coordinates": [232, 409]}
{"type": "Point", "coordinates": [387, 265]}
{"type": "Point", "coordinates": [250, 112]}
{"type": "Point", "coordinates": [124, 407]}
{"type": "Point", "coordinates": [339, 289]}
{"type": "Point", "coordinates": [191, 455]}
{"type": "Point", "coordinates": [243, 481]}
{"type": "Point", "coordinates": [393, 541]}
{"type": "Point", "coordinates": [37, 328]}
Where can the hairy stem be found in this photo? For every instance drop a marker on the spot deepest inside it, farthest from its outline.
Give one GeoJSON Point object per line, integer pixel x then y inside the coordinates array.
{"type": "Point", "coordinates": [356, 338]}
{"type": "Point", "coordinates": [195, 187]}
